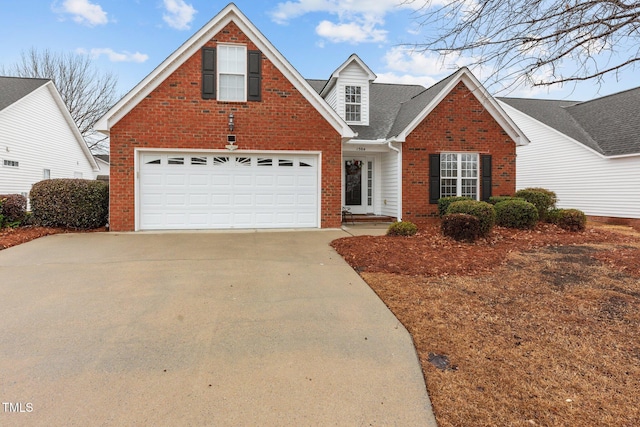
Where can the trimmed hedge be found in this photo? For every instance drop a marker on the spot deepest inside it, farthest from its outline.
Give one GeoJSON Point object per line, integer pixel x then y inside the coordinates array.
{"type": "Point", "coordinates": [543, 199]}
{"type": "Point", "coordinates": [13, 207]}
{"type": "Point", "coordinates": [402, 228]}
{"type": "Point", "coordinates": [516, 213]}
{"type": "Point", "coordinates": [444, 202]}
{"type": "Point", "coordinates": [494, 200]}
{"type": "Point", "coordinates": [572, 219]}
{"type": "Point", "coordinates": [484, 211]}
{"type": "Point", "coordinates": [461, 227]}
{"type": "Point", "coordinates": [70, 203]}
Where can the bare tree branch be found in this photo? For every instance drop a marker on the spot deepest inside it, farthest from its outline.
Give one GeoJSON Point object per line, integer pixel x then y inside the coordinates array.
{"type": "Point", "coordinates": [538, 42]}
{"type": "Point", "coordinates": [87, 92]}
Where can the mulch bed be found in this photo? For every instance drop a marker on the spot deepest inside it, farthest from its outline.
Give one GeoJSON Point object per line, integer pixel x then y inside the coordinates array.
{"type": "Point", "coordinates": [429, 253]}
{"type": "Point", "coordinates": [15, 236]}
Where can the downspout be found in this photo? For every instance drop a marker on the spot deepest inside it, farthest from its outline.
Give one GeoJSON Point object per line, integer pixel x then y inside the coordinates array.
{"type": "Point", "coordinates": [397, 150]}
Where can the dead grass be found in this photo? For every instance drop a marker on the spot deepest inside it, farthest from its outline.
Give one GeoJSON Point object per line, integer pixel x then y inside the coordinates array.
{"type": "Point", "coordinates": [550, 336]}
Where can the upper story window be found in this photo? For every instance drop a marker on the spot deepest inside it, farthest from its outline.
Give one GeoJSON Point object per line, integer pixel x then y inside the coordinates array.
{"type": "Point", "coordinates": [232, 70]}
{"type": "Point", "coordinates": [353, 103]}
{"type": "Point", "coordinates": [231, 73]}
{"type": "Point", "coordinates": [11, 163]}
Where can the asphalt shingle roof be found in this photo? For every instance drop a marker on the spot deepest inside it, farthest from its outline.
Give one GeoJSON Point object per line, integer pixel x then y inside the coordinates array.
{"type": "Point", "coordinates": [609, 125]}
{"type": "Point", "coordinates": [13, 89]}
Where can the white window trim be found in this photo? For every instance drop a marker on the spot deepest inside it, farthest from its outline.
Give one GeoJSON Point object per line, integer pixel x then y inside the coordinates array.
{"type": "Point", "coordinates": [219, 73]}
{"type": "Point", "coordinates": [16, 166]}
{"type": "Point", "coordinates": [459, 176]}
{"type": "Point", "coordinates": [346, 103]}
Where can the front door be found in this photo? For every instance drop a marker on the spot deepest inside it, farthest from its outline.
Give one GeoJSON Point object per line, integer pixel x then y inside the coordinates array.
{"type": "Point", "coordinates": [358, 184]}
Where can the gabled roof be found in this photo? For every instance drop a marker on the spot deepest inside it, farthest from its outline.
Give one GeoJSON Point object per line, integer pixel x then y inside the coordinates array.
{"type": "Point", "coordinates": [229, 14]}
{"type": "Point", "coordinates": [13, 89]}
{"type": "Point", "coordinates": [397, 109]}
{"type": "Point", "coordinates": [336, 74]}
{"type": "Point", "coordinates": [609, 125]}
{"type": "Point", "coordinates": [418, 108]}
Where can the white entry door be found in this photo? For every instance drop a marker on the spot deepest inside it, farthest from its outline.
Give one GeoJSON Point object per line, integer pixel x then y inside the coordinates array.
{"type": "Point", "coordinates": [225, 190]}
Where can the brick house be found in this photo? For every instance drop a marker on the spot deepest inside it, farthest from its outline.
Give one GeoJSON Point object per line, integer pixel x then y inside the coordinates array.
{"type": "Point", "coordinates": [225, 133]}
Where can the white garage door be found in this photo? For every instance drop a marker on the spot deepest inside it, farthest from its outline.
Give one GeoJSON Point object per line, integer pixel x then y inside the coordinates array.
{"type": "Point", "coordinates": [224, 190]}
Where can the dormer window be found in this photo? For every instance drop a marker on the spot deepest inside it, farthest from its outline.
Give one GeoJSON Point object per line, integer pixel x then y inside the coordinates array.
{"type": "Point", "coordinates": [353, 103]}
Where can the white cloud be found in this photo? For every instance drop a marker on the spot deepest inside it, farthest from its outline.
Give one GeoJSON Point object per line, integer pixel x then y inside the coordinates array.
{"type": "Point", "coordinates": [85, 12]}
{"type": "Point", "coordinates": [179, 14]}
{"type": "Point", "coordinates": [353, 33]}
{"type": "Point", "coordinates": [114, 56]}
{"type": "Point", "coordinates": [358, 21]}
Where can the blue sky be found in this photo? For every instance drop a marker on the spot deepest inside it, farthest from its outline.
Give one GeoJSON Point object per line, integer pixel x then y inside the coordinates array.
{"type": "Point", "coordinates": [132, 37]}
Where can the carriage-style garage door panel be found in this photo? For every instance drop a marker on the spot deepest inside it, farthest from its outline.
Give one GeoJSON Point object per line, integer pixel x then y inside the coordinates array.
{"type": "Point", "coordinates": [224, 190]}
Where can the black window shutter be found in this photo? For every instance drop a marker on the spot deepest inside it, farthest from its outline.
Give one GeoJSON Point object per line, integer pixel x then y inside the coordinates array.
{"type": "Point", "coordinates": [208, 73]}
{"type": "Point", "coordinates": [485, 169]}
{"type": "Point", "coordinates": [254, 75]}
{"type": "Point", "coordinates": [434, 178]}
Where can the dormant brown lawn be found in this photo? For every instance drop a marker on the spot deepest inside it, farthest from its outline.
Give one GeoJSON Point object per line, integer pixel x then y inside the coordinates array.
{"type": "Point", "coordinates": [537, 327]}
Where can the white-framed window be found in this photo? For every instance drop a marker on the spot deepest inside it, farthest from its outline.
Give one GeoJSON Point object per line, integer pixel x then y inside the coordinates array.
{"type": "Point", "coordinates": [353, 103]}
{"type": "Point", "coordinates": [459, 175]}
{"type": "Point", "coordinates": [11, 163]}
{"type": "Point", "coordinates": [232, 73]}
{"type": "Point", "coordinates": [46, 173]}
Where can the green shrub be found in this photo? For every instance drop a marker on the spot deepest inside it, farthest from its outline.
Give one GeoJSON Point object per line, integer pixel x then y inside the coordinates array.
{"type": "Point", "coordinates": [70, 203]}
{"type": "Point", "coordinates": [572, 219]}
{"type": "Point", "coordinates": [494, 200]}
{"type": "Point", "coordinates": [13, 207]}
{"type": "Point", "coordinates": [444, 202]}
{"type": "Point", "coordinates": [516, 213]}
{"type": "Point", "coordinates": [402, 228]}
{"type": "Point", "coordinates": [482, 210]}
{"type": "Point", "coordinates": [461, 227]}
{"type": "Point", "coordinates": [543, 199]}
{"type": "Point", "coordinates": [553, 215]}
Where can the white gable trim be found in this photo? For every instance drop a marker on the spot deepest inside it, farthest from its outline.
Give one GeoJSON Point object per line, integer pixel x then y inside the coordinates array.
{"type": "Point", "coordinates": [229, 14]}
{"type": "Point", "coordinates": [488, 102]}
{"type": "Point", "coordinates": [336, 74]}
{"type": "Point", "coordinates": [72, 124]}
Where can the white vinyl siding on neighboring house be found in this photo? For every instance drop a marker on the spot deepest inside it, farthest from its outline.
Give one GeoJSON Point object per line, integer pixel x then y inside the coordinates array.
{"type": "Point", "coordinates": [581, 178]}
{"type": "Point", "coordinates": [34, 133]}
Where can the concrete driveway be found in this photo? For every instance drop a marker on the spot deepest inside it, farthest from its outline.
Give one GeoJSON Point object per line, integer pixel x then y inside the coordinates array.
{"type": "Point", "coordinates": [253, 328]}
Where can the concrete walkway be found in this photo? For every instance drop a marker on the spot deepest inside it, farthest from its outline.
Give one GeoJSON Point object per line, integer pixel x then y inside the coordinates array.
{"type": "Point", "coordinates": [177, 329]}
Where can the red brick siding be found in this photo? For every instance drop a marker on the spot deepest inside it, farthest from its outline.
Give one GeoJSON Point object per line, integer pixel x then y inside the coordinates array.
{"type": "Point", "coordinates": [458, 124]}
{"type": "Point", "coordinates": [174, 115]}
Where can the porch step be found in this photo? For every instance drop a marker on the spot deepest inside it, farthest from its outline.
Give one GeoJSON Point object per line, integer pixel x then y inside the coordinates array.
{"type": "Point", "coordinates": [360, 218]}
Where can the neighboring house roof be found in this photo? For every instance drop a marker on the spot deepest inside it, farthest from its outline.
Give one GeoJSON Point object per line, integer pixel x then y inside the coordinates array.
{"type": "Point", "coordinates": [13, 89]}
{"type": "Point", "coordinates": [229, 14]}
{"type": "Point", "coordinates": [609, 125]}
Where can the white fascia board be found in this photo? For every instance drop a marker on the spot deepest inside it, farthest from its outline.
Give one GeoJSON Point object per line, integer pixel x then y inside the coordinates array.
{"type": "Point", "coordinates": [70, 122]}
{"type": "Point", "coordinates": [229, 14]}
{"type": "Point", "coordinates": [487, 101]}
